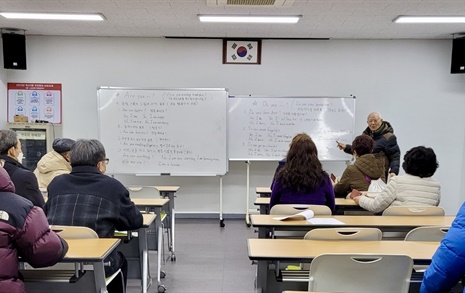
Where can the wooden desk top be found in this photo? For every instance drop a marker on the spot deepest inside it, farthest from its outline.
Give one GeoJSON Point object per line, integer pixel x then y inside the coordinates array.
{"type": "Point", "coordinates": [148, 219]}
{"type": "Point", "coordinates": [90, 249]}
{"type": "Point", "coordinates": [150, 202]}
{"type": "Point", "coordinates": [296, 249]}
{"type": "Point", "coordinates": [359, 221]}
{"type": "Point", "coordinates": [261, 190]}
{"type": "Point", "coordinates": [339, 201]}
{"type": "Point", "coordinates": [167, 188]}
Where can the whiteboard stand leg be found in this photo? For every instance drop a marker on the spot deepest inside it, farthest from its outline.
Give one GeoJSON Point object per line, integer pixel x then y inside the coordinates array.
{"type": "Point", "coordinates": [247, 218]}
{"type": "Point", "coordinates": [221, 202]}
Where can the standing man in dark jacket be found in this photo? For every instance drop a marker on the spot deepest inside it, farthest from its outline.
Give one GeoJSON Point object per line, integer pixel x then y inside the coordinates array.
{"type": "Point", "coordinates": [386, 146]}
{"type": "Point", "coordinates": [24, 231]}
{"type": "Point", "coordinates": [87, 197]}
{"type": "Point", "coordinates": [24, 180]}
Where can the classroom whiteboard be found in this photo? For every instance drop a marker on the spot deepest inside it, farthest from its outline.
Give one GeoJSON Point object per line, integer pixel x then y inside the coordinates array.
{"type": "Point", "coordinates": [164, 131]}
{"type": "Point", "coordinates": [261, 128]}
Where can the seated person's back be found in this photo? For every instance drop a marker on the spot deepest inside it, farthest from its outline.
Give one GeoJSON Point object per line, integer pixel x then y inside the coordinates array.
{"type": "Point", "coordinates": [24, 180]}
{"type": "Point", "coordinates": [366, 168]}
{"type": "Point", "coordinates": [415, 188]}
{"type": "Point", "coordinates": [24, 231]}
{"type": "Point", "coordinates": [55, 162]}
{"type": "Point", "coordinates": [87, 197]}
{"type": "Point", "coordinates": [302, 179]}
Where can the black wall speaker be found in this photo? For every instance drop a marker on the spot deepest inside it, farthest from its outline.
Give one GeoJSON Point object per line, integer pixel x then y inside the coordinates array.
{"type": "Point", "coordinates": [14, 51]}
{"type": "Point", "coordinates": [458, 56]}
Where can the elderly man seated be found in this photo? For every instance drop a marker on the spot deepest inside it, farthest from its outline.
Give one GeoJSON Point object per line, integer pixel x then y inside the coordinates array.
{"type": "Point", "coordinates": [87, 197]}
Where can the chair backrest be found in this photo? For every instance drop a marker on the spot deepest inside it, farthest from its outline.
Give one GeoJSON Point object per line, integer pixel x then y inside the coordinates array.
{"type": "Point", "coordinates": [367, 234]}
{"type": "Point", "coordinates": [360, 273]}
{"type": "Point", "coordinates": [136, 191]}
{"type": "Point", "coordinates": [74, 232]}
{"type": "Point", "coordinates": [414, 211]}
{"type": "Point", "coordinates": [431, 233]}
{"type": "Point", "coordinates": [290, 209]}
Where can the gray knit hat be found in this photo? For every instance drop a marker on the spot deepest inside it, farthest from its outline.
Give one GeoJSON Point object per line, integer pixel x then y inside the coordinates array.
{"type": "Point", "coordinates": [61, 145]}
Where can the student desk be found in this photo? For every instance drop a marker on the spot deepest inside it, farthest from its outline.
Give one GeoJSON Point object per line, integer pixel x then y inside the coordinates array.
{"type": "Point", "coordinates": [384, 223]}
{"type": "Point", "coordinates": [296, 250]}
{"type": "Point", "coordinates": [155, 205]}
{"type": "Point", "coordinates": [170, 193]}
{"type": "Point", "coordinates": [263, 191]}
{"type": "Point", "coordinates": [92, 251]}
{"type": "Point", "coordinates": [342, 205]}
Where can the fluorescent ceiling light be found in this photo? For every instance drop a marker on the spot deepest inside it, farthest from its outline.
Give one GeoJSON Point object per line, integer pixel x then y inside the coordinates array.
{"type": "Point", "coordinates": [430, 19]}
{"type": "Point", "coordinates": [249, 18]}
{"type": "Point", "coordinates": [52, 16]}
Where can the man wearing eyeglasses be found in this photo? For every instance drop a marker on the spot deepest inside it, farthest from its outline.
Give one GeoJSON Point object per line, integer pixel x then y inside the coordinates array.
{"type": "Point", "coordinates": [87, 197]}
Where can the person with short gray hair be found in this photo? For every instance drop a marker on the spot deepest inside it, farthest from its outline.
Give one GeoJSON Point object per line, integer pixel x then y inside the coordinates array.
{"type": "Point", "coordinates": [55, 162]}
{"type": "Point", "coordinates": [24, 180]}
{"type": "Point", "coordinates": [8, 139]}
{"type": "Point", "coordinates": [386, 146]}
{"type": "Point", "coordinates": [87, 197]}
{"type": "Point", "coordinates": [87, 153]}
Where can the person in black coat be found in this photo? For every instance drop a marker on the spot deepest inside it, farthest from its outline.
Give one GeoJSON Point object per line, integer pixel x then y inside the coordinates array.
{"type": "Point", "coordinates": [386, 146]}
{"type": "Point", "coordinates": [24, 180]}
{"type": "Point", "coordinates": [87, 197]}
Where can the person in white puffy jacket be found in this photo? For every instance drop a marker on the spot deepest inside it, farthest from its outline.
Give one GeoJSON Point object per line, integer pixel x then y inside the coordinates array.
{"type": "Point", "coordinates": [415, 188]}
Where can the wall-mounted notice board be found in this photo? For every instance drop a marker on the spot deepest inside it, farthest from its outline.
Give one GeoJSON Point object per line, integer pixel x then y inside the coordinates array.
{"type": "Point", "coordinates": [261, 128]}
{"type": "Point", "coordinates": [164, 131]}
{"type": "Point", "coordinates": [37, 101]}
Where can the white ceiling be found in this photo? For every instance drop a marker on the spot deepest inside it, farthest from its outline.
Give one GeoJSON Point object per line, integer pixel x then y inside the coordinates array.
{"type": "Point", "coordinates": [345, 19]}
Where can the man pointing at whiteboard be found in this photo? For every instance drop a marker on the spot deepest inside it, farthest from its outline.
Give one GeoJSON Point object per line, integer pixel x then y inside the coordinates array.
{"type": "Point", "coordinates": [386, 146]}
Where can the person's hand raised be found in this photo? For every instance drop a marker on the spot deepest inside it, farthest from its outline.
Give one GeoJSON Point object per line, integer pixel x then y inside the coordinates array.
{"type": "Point", "coordinates": [341, 145]}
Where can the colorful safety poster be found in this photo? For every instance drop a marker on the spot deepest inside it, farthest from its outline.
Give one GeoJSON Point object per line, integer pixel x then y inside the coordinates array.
{"type": "Point", "coordinates": [37, 101]}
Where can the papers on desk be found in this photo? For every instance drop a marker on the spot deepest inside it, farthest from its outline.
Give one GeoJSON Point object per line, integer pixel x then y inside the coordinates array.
{"type": "Point", "coordinates": [305, 215]}
{"type": "Point", "coordinates": [325, 221]}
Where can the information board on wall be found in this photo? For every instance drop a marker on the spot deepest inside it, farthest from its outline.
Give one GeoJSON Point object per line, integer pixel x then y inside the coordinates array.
{"type": "Point", "coordinates": [158, 131]}
{"type": "Point", "coordinates": [261, 128]}
{"type": "Point", "coordinates": [37, 101]}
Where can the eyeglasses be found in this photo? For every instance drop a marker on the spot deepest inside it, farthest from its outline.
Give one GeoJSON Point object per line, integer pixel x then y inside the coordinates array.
{"type": "Point", "coordinates": [2, 162]}
{"type": "Point", "coordinates": [106, 161]}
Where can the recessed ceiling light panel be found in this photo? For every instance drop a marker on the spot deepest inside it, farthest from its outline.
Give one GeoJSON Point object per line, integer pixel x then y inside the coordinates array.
{"type": "Point", "coordinates": [249, 18]}
{"type": "Point", "coordinates": [430, 19]}
{"type": "Point", "coordinates": [53, 16]}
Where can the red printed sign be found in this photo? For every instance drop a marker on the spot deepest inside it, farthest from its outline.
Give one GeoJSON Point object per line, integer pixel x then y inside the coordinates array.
{"type": "Point", "coordinates": [37, 101]}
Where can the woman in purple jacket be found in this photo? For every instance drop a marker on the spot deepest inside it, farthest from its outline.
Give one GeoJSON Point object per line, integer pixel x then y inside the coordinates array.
{"type": "Point", "coordinates": [24, 232]}
{"type": "Point", "coordinates": [302, 179]}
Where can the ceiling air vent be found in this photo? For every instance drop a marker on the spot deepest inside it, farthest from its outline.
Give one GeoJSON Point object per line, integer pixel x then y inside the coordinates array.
{"type": "Point", "coordinates": [267, 3]}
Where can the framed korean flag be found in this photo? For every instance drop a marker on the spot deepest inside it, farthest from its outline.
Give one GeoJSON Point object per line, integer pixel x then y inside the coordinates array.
{"type": "Point", "coordinates": [242, 51]}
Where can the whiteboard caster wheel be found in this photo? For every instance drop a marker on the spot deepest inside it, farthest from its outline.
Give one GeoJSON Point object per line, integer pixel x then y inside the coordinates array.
{"type": "Point", "coordinates": [221, 223]}
{"type": "Point", "coordinates": [161, 288]}
{"type": "Point", "coordinates": [173, 257]}
{"type": "Point", "coordinates": [162, 274]}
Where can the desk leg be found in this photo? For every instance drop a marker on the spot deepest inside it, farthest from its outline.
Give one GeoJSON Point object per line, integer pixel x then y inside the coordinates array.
{"type": "Point", "coordinates": [262, 271]}
{"type": "Point", "coordinates": [262, 232]}
{"type": "Point", "coordinates": [263, 209]}
{"type": "Point", "coordinates": [171, 220]}
{"type": "Point", "coordinates": [160, 287]}
{"type": "Point", "coordinates": [159, 229]}
{"type": "Point", "coordinates": [143, 254]}
{"type": "Point", "coordinates": [99, 277]}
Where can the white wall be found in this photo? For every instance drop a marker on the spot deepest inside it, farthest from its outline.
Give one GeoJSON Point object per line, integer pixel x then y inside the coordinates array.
{"type": "Point", "coordinates": [408, 81]}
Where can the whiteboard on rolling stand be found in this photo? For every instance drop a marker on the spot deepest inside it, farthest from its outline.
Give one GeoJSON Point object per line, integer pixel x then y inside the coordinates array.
{"type": "Point", "coordinates": [261, 128]}
{"type": "Point", "coordinates": [153, 131]}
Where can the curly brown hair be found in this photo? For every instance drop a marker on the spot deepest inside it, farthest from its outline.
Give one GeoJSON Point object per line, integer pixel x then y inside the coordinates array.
{"type": "Point", "coordinates": [302, 171]}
